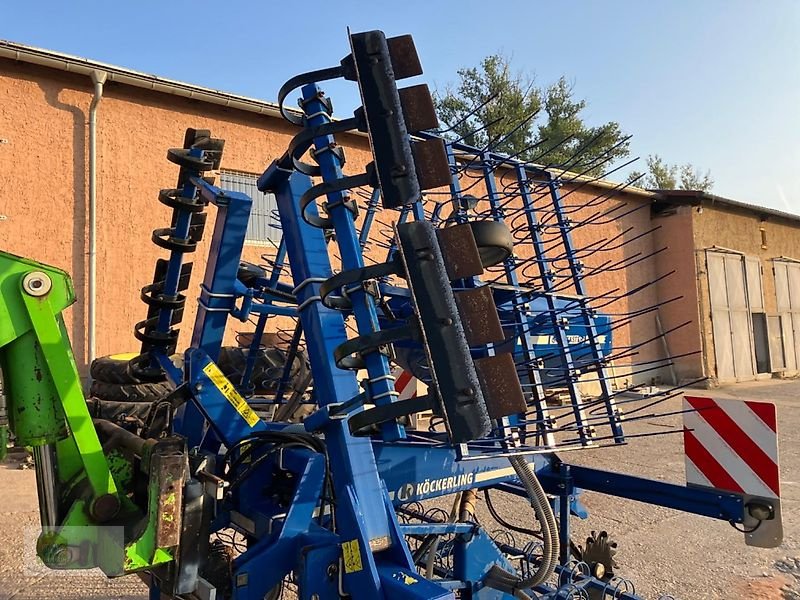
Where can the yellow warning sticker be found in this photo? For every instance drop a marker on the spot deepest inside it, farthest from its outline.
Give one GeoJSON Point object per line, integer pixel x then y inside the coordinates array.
{"type": "Point", "coordinates": [352, 556]}
{"type": "Point", "coordinates": [235, 398]}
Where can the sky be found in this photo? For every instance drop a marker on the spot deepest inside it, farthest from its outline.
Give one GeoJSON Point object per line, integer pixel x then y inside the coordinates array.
{"type": "Point", "coordinates": [715, 82]}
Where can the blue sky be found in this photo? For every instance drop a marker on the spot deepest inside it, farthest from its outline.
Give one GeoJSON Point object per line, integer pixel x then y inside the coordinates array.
{"type": "Point", "coordinates": [715, 83]}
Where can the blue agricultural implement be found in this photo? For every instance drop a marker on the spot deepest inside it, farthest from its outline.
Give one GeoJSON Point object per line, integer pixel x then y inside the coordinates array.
{"type": "Point", "coordinates": [214, 492]}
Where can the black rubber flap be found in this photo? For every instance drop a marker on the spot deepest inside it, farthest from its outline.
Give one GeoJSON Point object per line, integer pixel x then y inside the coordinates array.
{"type": "Point", "coordinates": [461, 256]}
{"type": "Point", "coordinates": [479, 316]}
{"type": "Point", "coordinates": [457, 382]}
{"type": "Point", "coordinates": [500, 385]}
{"type": "Point", "coordinates": [405, 60]}
{"type": "Point", "coordinates": [391, 147]}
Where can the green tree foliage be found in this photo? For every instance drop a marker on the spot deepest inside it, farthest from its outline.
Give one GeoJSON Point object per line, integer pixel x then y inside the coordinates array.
{"type": "Point", "coordinates": [501, 100]}
{"type": "Point", "coordinates": [494, 106]}
{"type": "Point", "coordinates": [663, 176]}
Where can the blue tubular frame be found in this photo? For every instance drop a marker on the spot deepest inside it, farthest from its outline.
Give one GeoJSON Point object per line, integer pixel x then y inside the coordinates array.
{"type": "Point", "coordinates": [217, 292]}
{"type": "Point", "coordinates": [715, 504]}
{"type": "Point", "coordinates": [380, 385]}
{"type": "Point", "coordinates": [274, 555]}
{"type": "Point", "coordinates": [575, 267]}
{"type": "Point", "coordinates": [375, 479]}
{"type": "Point", "coordinates": [355, 473]}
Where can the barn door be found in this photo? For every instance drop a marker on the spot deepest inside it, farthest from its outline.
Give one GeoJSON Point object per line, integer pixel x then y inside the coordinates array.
{"type": "Point", "coordinates": [758, 315]}
{"type": "Point", "coordinates": [730, 316]}
{"type": "Point", "coordinates": [787, 290]}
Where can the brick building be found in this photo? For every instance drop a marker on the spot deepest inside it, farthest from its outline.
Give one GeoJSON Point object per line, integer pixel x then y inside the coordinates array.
{"type": "Point", "coordinates": [738, 270]}
{"type": "Point", "coordinates": [77, 134]}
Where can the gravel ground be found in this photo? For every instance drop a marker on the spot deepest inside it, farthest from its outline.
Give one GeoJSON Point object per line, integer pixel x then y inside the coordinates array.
{"type": "Point", "coordinates": [660, 550]}
{"type": "Point", "coordinates": [21, 576]}
{"type": "Point", "coordinates": [691, 557]}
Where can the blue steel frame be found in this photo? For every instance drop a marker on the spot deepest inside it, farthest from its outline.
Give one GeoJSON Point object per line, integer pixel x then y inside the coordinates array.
{"type": "Point", "coordinates": [372, 479]}
{"type": "Point", "coordinates": [562, 311]}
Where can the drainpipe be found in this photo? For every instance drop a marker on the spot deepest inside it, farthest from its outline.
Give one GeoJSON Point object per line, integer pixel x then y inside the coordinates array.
{"type": "Point", "coordinates": [98, 79]}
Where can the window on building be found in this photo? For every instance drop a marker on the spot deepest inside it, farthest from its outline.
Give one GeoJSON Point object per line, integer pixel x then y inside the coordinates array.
{"type": "Point", "coordinates": [263, 225]}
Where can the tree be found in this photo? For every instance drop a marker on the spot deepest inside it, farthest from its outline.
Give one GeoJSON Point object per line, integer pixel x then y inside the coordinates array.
{"type": "Point", "coordinates": [488, 103]}
{"type": "Point", "coordinates": [663, 176]}
{"type": "Point", "coordinates": [492, 106]}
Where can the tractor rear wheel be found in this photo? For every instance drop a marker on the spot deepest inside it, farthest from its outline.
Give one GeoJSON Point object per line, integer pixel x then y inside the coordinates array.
{"type": "Point", "coordinates": [130, 392]}
{"type": "Point", "coordinates": [267, 370]}
{"type": "Point", "coordinates": [111, 380]}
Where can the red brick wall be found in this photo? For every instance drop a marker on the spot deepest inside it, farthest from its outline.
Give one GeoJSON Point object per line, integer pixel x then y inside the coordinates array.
{"type": "Point", "coordinates": [676, 234]}
{"type": "Point", "coordinates": [44, 116]}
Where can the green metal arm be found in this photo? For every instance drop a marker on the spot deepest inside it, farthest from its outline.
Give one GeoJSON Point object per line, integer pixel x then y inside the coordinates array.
{"type": "Point", "coordinates": [87, 521]}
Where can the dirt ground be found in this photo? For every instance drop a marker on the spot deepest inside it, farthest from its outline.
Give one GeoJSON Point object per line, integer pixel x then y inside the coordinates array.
{"type": "Point", "coordinates": [694, 558]}
{"type": "Point", "coordinates": [660, 550]}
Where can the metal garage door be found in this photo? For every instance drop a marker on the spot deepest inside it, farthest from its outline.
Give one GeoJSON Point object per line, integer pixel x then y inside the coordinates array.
{"type": "Point", "coordinates": [787, 290]}
{"type": "Point", "coordinates": [730, 316]}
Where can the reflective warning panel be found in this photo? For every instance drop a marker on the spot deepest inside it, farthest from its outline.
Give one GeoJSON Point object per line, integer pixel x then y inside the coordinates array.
{"type": "Point", "coordinates": [732, 445]}
{"type": "Point", "coordinates": [405, 384]}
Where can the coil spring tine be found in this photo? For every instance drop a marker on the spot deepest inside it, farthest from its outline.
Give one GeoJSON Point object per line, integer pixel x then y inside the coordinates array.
{"type": "Point", "coordinates": [163, 297]}
{"type": "Point", "coordinates": [572, 591]}
{"type": "Point", "coordinates": [617, 586]}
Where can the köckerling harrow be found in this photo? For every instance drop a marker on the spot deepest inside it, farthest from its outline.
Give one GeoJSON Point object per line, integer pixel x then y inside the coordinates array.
{"type": "Point", "coordinates": [455, 264]}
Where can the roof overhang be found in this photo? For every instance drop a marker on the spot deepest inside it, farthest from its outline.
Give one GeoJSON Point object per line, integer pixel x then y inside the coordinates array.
{"type": "Point", "coordinates": [666, 199]}
{"type": "Point", "coordinates": [84, 66]}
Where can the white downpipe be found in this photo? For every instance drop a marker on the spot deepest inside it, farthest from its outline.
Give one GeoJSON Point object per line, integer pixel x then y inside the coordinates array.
{"type": "Point", "coordinates": [98, 79]}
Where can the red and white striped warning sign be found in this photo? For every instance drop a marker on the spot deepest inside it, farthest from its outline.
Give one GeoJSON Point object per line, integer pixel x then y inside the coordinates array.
{"type": "Point", "coordinates": [731, 445]}
{"type": "Point", "coordinates": [405, 384]}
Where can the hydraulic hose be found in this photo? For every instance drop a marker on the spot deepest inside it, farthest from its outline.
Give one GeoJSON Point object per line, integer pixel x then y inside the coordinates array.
{"type": "Point", "coordinates": [501, 579]}
{"type": "Point", "coordinates": [544, 513]}
{"type": "Point", "coordinates": [466, 511]}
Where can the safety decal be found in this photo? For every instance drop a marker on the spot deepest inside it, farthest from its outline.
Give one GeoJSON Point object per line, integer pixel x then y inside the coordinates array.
{"type": "Point", "coordinates": [352, 556]}
{"type": "Point", "coordinates": [226, 389]}
{"type": "Point", "coordinates": [405, 384]}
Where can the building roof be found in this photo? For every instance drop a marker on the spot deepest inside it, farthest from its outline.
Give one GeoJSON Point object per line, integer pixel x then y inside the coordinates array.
{"type": "Point", "coordinates": [696, 198]}
{"type": "Point", "coordinates": [84, 66]}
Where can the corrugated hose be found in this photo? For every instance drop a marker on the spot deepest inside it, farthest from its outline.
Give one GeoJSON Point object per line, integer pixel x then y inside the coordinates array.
{"type": "Point", "coordinates": [509, 583]}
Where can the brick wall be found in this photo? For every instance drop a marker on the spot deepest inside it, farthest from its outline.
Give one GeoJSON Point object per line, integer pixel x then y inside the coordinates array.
{"type": "Point", "coordinates": [44, 116]}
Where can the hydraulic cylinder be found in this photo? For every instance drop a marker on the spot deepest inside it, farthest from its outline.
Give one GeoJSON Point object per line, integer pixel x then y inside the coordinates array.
{"type": "Point", "coordinates": [34, 409]}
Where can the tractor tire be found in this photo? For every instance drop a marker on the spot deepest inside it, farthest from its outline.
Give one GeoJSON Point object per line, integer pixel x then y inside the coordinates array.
{"type": "Point", "coordinates": [113, 369]}
{"type": "Point", "coordinates": [130, 392]}
{"type": "Point", "coordinates": [117, 412]}
{"type": "Point", "coordinates": [267, 370]}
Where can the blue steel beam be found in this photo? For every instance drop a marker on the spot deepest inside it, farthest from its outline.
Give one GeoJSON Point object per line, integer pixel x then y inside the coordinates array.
{"type": "Point", "coordinates": [218, 290]}
{"type": "Point", "coordinates": [716, 504]}
{"type": "Point", "coordinates": [355, 475]}
{"type": "Point", "coordinates": [381, 382]}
